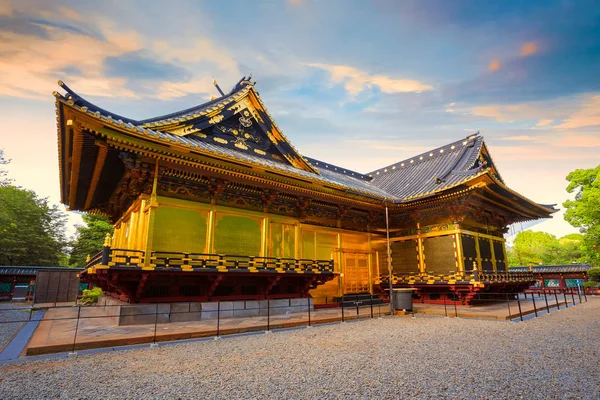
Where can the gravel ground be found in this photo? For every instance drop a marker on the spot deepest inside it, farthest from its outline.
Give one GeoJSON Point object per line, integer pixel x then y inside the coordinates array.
{"type": "Point", "coordinates": [551, 357]}
{"type": "Point", "coordinates": [8, 313]}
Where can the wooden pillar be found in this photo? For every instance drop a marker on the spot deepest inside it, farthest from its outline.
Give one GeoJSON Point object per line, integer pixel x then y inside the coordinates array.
{"type": "Point", "coordinates": [340, 261]}
{"type": "Point", "coordinates": [370, 264]}
{"type": "Point", "coordinates": [478, 252]}
{"type": "Point", "coordinates": [420, 248]}
{"type": "Point", "coordinates": [152, 209]}
{"type": "Point", "coordinates": [210, 237]}
{"type": "Point", "coordinates": [264, 237]}
{"type": "Point", "coordinates": [459, 250]}
{"type": "Point", "coordinates": [493, 253]}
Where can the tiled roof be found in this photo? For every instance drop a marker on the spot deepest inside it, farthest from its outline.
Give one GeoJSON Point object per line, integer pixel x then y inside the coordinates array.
{"type": "Point", "coordinates": [23, 270]}
{"type": "Point", "coordinates": [430, 172]}
{"type": "Point", "coordinates": [414, 178]}
{"type": "Point", "coordinates": [554, 268]}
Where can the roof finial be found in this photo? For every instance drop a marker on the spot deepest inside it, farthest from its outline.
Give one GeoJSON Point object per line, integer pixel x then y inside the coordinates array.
{"type": "Point", "coordinates": [217, 86]}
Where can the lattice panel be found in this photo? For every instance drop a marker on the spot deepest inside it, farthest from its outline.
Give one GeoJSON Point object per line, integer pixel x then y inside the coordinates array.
{"type": "Point", "coordinates": [236, 235]}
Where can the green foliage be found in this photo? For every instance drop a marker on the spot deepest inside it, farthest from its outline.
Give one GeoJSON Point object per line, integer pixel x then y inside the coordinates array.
{"type": "Point", "coordinates": [594, 274]}
{"type": "Point", "coordinates": [590, 284]}
{"type": "Point", "coordinates": [89, 239]}
{"type": "Point", "coordinates": [90, 297]}
{"type": "Point", "coordinates": [4, 180]}
{"type": "Point", "coordinates": [534, 248]}
{"type": "Point", "coordinates": [31, 230]}
{"type": "Point", "coordinates": [584, 211]}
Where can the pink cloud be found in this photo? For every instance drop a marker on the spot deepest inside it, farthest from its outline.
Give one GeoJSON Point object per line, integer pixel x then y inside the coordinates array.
{"type": "Point", "coordinates": [587, 115]}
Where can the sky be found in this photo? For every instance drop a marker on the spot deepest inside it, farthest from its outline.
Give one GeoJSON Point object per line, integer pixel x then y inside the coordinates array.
{"type": "Point", "coordinates": [360, 84]}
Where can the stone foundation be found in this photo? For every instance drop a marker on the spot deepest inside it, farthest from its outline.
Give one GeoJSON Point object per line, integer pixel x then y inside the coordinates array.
{"type": "Point", "coordinates": [163, 313]}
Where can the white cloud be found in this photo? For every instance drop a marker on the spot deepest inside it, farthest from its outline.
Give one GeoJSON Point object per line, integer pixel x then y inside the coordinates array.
{"type": "Point", "coordinates": [355, 80]}
{"type": "Point", "coordinates": [587, 115]}
{"type": "Point", "coordinates": [200, 50]}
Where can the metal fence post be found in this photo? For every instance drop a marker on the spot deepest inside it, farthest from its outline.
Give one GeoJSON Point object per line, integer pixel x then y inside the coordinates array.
{"type": "Point", "coordinates": [508, 304]}
{"type": "Point", "coordinates": [268, 315]}
{"type": "Point", "coordinates": [519, 304]}
{"type": "Point", "coordinates": [547, 306]}
{"type": "Point", "coordinates": [155, 322]}
{"type": "Point", "coordinates": [455, 309]}
{"type": "Point", "coordinates": [579, 294]}
{"type": "Point", "coordinates": [534, 307]}
{"type": "Point", "coordinates": [445, 308]}
{"type": "Point", "coordinates": [565, 296]}
{"type": "Point", "coordinates": [308, 298]}
{"type": "Point", "coordinates": [371, 308]}
{"type": "Point", "coordinates": [218, 317]}
{"type": "Point", "coordinates": [573, 297]}
{"type": "Point", "coordinates": [76, 328]}
{"type": "Point", "coordinates": [556, 299]}
{"type": "Point", "coordinates": [584, 295]}
{"type": "Point", "coordinates": [342, 311]}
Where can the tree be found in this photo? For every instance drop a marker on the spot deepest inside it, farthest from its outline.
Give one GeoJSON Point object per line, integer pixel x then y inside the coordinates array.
{"type": "Point", "coordinates": [534, 248]}
{"type": "Point", "coordinates": [31, 230]}
{"type": "Point", "coordinates": [4, 180]}
{"type": "Point", "coordinates": [89, 239]}
{"type": "Point", "coordinates": [584, 211]}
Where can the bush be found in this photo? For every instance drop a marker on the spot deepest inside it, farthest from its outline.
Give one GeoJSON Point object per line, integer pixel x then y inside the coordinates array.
{"type": "Point", "coordinates": [590, 284]}
{"type": "Point", "coordinates": [90, 297]}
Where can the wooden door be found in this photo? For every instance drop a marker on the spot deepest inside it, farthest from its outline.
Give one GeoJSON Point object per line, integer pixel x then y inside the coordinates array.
{"type": "Point", "coordinates": [356, 273]}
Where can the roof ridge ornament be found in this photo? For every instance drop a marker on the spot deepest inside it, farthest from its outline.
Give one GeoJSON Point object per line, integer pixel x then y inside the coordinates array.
{"type": "Point", "coordinates": [217, 86]}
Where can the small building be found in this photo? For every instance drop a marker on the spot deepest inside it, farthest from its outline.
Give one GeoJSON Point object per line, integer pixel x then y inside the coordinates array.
{"type": "Point", "coordinates": [214, 202]}
{"type": "Point", "coordinates": [560, 276]}
{"type": "Point", "coordinates": [19, 283]}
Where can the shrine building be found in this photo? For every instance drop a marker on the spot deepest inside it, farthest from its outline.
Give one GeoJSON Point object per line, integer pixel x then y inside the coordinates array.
{"type": "Point", "coordinates": [214, 202]}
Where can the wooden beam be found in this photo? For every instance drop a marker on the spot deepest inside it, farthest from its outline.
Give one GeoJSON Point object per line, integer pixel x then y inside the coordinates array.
{"type": "Point", "coordinates": [100, 160]}
{"type": "Point", "coordinates": [75, 165]}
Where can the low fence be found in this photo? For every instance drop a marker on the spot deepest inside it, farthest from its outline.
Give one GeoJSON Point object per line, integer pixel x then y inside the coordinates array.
{"type": "Point", "coordinates": [71, 328]}
{"type": "Point", "coordinates": [519, 306]}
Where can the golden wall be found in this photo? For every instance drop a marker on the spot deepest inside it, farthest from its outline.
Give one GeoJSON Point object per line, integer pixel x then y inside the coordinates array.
{"type": "Point", "coordinates": [167, 224]}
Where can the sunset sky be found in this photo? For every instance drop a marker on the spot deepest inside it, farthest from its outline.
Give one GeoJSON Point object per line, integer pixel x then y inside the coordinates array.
{"type": "Point", "coordinates": [358, 84]}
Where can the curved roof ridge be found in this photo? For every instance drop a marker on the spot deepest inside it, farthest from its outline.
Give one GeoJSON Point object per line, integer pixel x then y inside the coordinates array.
{"type": "Point", "coordinates": [424, 155]}
{"type": "Point", "coordinates": [240, 85]}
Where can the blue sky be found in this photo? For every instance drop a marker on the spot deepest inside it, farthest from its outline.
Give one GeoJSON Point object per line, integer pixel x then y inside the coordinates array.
{"type": "Point", "coordinates": [361, 84]}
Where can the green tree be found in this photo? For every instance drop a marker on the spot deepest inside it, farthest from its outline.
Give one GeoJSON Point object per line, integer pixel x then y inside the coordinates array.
{"type": "Point", "coordinates": [533, 248]}
{"type": "Point", "coordinates": [584, 211]}
{"type": "Point", "coordinates": [4, 180]}
{"type": "Point", "coordinates": [31, 229]}
{"type": "Point", "coordinates": [89, 238]}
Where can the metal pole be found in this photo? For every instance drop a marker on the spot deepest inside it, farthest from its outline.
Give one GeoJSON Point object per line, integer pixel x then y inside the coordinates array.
{"type": "Point", "coordinates": [308, 298]}
{"type": "Point", "coordinates": [155, 322]}
{"type": "Point", "coordinates": [342, 305]}
{"type": "Point", "coordinates": [546, 298]}
{"type": "Point", "coordinates": [268, 315]}
{"type": "Point", "coordinates": [578, 293]}
{"type": "Point", "coordinates": [534, 308]}
{"type": "Point", "coordinates": [508, 304]}
{"type": "Point", "coordinates": [76, 328]}
{"type": "Point", "coordinates": [556, 298]}
{"type": "Point", "coordinates": [389, 260]}
{"type": "Point", "coordinates": [218, 317]}
{"type": "Point", "coordinates": [455, 309]}
{"type": "Point", "coordinates": [565, 296]}
{"type": "Point", "coordinates": [519, 304]}
{"type": "Point", "coordinates": [584, 295]}
{"type": "Point", "coordinates": [445, 309]}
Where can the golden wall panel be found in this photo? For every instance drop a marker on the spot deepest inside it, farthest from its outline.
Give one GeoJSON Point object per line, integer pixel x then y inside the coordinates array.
{"type": "Point", "coordinates": [180, 230]}
{"type": "Point", "coordinates": [237, 235]}
{"type": "Point", "coordinates": [282, 240]}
